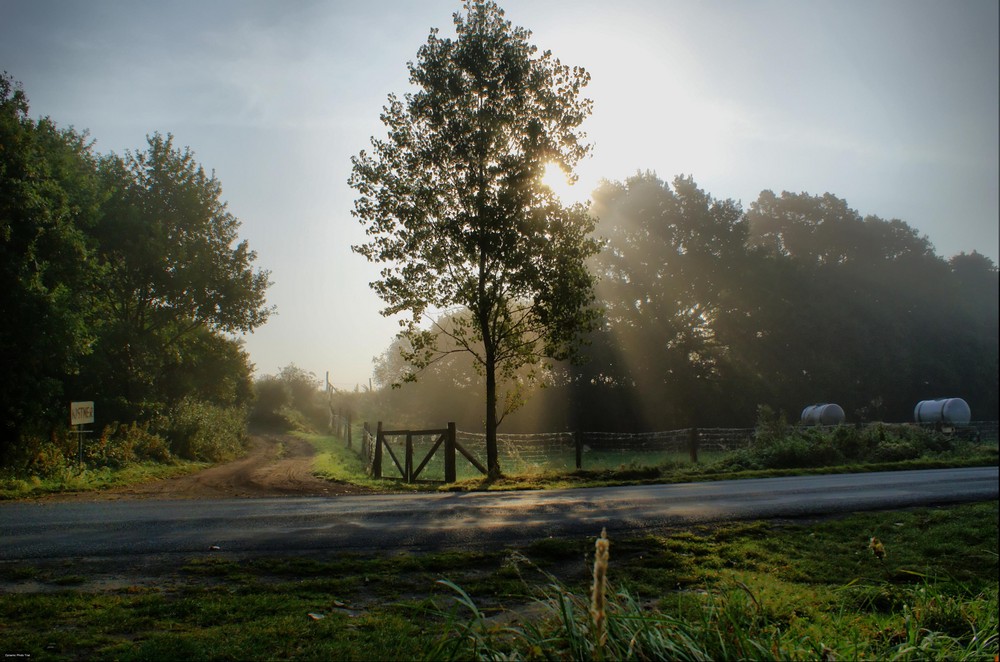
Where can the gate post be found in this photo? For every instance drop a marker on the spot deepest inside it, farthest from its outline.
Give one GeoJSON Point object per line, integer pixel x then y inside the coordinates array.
{"type": "Point", "coordinates": [693, 445]}
{"type": "Point", "coordinates": [377, 464]}
{"type": "Point", "coordinates": [449, 454]}
{"type": "Point", "coordinates": [409, 459]}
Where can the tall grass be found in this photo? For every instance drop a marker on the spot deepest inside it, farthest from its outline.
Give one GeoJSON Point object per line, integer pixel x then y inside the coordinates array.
{"type": "Point", "coordinates": [726, 620]}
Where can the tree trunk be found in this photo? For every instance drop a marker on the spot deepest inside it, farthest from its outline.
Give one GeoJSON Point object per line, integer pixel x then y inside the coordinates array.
{"type": "Point", "coordinates": [492, 456]}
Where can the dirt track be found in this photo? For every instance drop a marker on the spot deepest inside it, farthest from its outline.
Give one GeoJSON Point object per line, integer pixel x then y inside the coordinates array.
{"type": "Point", "coordinates": [276, 465]}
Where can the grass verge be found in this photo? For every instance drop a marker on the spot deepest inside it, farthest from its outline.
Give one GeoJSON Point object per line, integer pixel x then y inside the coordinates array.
{"type": "Point", "coordinates": [754, 590]}
{"type": "Point", "coordinates": [93, 479]}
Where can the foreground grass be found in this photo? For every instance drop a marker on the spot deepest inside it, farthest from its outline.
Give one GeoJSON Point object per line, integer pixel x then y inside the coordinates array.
{"type": "Point", "coordinates": [88, 479]}
{"type": "Point", "coordinates": [753, 590]}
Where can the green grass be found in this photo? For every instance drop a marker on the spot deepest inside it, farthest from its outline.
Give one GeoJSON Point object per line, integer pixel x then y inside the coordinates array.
{"type": "Point", "coordinates": [753, 590]}
{"type": "Point", "coordinates": [91, 479]}
{"type": "Point", "coordinates": [334, 461]}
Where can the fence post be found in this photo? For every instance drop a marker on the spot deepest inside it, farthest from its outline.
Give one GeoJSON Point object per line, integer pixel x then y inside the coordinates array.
{"type": "Point", "coordinates": [364, 441]}
{"type": "Point", "coordinates": [693, 445]}
{"type": "Point", "coordinates": [449, 454]}
{"type": "Point", "coordinates": [377, 464]}
{"type": "Point", "coordinates": [409, 458]}
{"type": "Point", "coordinates": [348, 429]}
{"type": "Point", "coordinates": [578, 442]}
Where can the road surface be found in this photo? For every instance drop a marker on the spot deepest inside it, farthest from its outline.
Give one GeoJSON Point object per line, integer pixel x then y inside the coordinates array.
{"type": "Point", "coordinates": [36, 530]}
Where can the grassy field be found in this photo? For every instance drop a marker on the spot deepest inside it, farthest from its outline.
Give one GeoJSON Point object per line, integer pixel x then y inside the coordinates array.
{"type": "Point", "coordinates": [756, 590]}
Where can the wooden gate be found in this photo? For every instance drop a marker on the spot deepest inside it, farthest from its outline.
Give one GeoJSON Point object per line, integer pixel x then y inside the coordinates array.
{"type": "Point", "coordinates": [446, 438]}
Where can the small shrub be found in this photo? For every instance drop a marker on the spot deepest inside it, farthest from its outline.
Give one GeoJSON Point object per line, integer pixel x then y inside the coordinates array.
{"type": "Point", "coordinates": [894, 451]}
{"type": "Point", "coordinates": [743, 459]}
{"type": "Point", "coordinates": [290, 400]}
{"type": "Point", "coordinates": [113, 448]}
{"type": "Point", "coordinates": [202, 431]}
{"type": "Point", "coordinates": [771, 426]}
{"type": "Point", "coordinates": [853, 443]}
{"type": "Point", "coordinates": [795, 452]}
{"type": "Point", "coordinates": [121, 444]}
{"type": "Point", "coordinates": [633, 471]}
{"type": "Point", "coordinates": [44, 453]}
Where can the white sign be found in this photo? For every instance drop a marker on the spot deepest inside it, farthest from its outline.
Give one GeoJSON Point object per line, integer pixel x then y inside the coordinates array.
{"type": "Point", "coordinates": [81, 412]}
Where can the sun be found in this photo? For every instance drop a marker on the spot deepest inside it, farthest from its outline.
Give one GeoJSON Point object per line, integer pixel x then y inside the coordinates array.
{"type": "Point", "coordinates": [556, 180]}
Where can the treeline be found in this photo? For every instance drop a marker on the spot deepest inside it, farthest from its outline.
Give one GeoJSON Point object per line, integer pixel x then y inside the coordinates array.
{"type": "Point", "coordinates": [712, 310]}
{"type": "Point", "coordinates": [124, 279]}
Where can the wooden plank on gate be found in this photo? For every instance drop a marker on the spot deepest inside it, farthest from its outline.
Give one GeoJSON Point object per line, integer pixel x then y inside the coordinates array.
{"type": "Point", "coordinates": [468, 456]}
{"type": "Point", "coordinates": [399, 433]}
{"type": "Point", "coordinates": [399, 466]}
{"type": "Point", "coordinates": [449, 455]}
{"type": "Point", "coordinates": [377, 462]}
{"type": "Point", "coordinates": [427, 458]}
{"type": "Point", "coordinates": [408, 476]}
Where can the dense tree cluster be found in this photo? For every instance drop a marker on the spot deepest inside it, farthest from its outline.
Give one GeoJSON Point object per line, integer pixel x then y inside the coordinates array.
{"type": "Point", "coordinates": [797, 300]}
{"type": "Point", "coordinates": [712, 310]}
{"type": "Point", "coordinates": [123, 280]}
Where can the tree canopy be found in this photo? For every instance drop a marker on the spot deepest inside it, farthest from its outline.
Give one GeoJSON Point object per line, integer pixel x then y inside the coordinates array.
{"type": "Point", "coordinates": [124, 279]}
{"type": "Point", "coordinates": [171, 263]}
{"type": "Point", "coordinates": [712, 310]}
{"type": "Point", "coordinates": [453, 202]}
{"type": "Point", "coordinates": [48, 201]}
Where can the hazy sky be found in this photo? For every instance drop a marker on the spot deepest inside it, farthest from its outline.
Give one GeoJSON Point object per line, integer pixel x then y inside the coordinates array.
{"type": "Point", "coordinates": [890, 104]}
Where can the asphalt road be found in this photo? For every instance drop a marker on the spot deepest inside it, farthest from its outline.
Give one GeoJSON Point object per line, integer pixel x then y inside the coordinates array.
{"type": "Point", "coordinates": [35, 530]}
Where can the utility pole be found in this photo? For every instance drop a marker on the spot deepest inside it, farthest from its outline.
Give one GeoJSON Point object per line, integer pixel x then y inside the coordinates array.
{"type": "Point", "coordinates": [329, 400]}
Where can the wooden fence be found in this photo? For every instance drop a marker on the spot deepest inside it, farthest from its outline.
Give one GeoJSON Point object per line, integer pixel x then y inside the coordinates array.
{"type": "Point", "coordinates": [574, 449]}
{"type": "Point", "coordinates": [446, 442]}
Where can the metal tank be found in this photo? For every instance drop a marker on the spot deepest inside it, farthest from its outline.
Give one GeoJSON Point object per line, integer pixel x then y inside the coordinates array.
{"type": "Point", "coordinates": [823, 414]}
{"type": "Point", "coordinates": [952, 411]}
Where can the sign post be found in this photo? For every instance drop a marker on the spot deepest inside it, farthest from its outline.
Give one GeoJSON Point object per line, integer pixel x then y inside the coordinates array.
{"type": "Point", "coordinates": [80, 413]}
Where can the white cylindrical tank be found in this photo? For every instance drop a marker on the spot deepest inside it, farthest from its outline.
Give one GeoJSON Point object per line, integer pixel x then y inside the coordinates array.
{"type": "Point", "coordinates": [943, 410]}
{"type": "Point", "coordinates": [823, 414]}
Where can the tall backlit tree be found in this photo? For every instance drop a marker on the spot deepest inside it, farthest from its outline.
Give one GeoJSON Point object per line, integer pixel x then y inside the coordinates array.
{"type": "Point", "coordinates": [455, 209]}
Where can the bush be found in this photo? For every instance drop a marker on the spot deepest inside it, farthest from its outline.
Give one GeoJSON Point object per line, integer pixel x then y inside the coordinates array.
{"type": "Point", "coordinates": [202, 431]}
{"type": "Point", "coordinates": [796, 452]}
{"type": "Point", "coordinates": [894, 451]}
{"type": "Point", "coordinates": [854, 444]}
{"type": "Point", "coordinates": [121, 444]}
{"type": "Point", "coordinates": [771, 426]}
{"type": "Point", "coordinates": [289, 401]}
{"type": "Point", "coordinates": [47, 458]}
{"type": "Point", "coordinates": [778, 447]}
{"type": "Point", "coordinates": [42, 452]}
{"type": "Point", "coordinates": [272, 395]}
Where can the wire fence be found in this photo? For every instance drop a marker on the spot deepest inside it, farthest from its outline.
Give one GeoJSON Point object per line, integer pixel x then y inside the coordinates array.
{"type": "Point", "coordinates": [566, 451]}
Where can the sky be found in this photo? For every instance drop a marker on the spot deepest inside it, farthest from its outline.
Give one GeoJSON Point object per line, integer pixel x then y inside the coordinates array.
{"type": "Point", "coordinates": [891, 105]}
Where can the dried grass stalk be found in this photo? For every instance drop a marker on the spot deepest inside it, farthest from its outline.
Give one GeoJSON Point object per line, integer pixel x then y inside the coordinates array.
{"type": "Point", "coordinates": [597, 599]}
